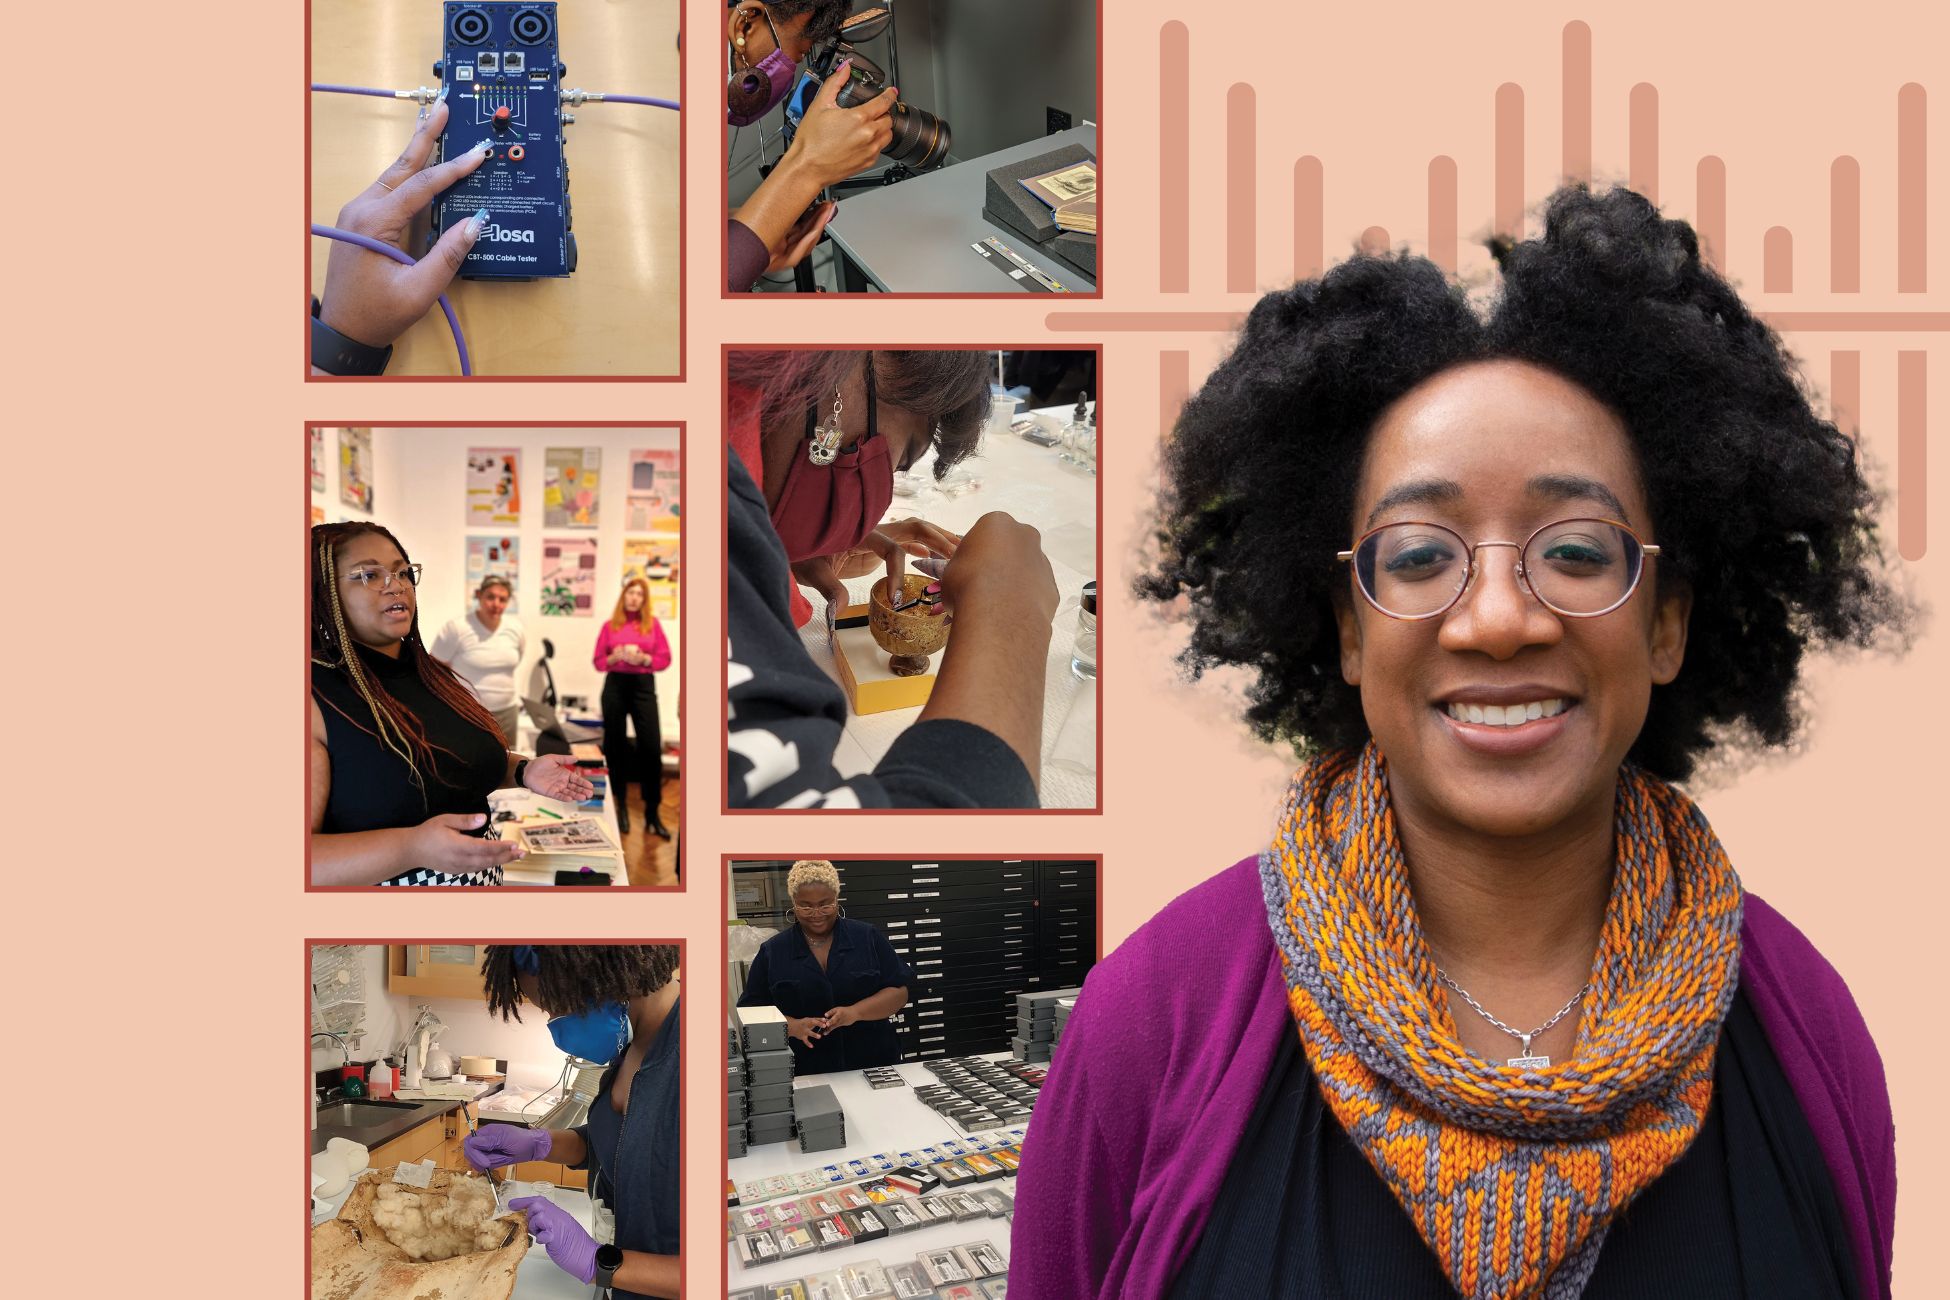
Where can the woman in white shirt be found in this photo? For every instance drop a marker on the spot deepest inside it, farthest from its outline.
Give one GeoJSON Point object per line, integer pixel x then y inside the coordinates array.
{"type": "Point", "coordinates": [485, 647]}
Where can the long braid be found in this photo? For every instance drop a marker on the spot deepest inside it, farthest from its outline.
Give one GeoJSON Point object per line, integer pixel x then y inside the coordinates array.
{"type": "Point", "coordinates": [394, 725]}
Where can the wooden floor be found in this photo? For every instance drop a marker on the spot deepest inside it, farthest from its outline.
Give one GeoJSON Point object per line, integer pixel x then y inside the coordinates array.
{"type": "Point", "coordinates": [653, 861]}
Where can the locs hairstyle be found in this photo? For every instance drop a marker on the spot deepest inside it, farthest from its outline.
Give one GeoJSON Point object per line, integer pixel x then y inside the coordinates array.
{"type": "Point", "coordinates": [1761, 506]}
{"type": "Point", "coordinates": [391, 722]}
{"type": "Point", "coordinates": [949, 389]}
{"type": "Point", "coordinates": [574, 977]}
{"type": "Point", "coordinates": [827, 15]}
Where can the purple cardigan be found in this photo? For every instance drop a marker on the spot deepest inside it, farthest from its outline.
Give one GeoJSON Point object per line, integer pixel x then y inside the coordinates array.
{"type": "Point", "coordinates": [1163, 1061]}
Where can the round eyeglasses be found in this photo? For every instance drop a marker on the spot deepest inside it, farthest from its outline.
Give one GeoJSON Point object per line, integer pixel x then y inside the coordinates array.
{"type": "Point", "coordinates": [1578, 568]}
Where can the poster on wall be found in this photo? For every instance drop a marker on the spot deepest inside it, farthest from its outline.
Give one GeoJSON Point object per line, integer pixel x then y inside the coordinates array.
{"type": "Point", "coordinates": [355, 468]}
{"type": "Point", "coordinates": [655, 487]}
{"type": "Point", "coordinates": [496, 555]}
{"type": "Point", "coordinates": [655, 560]}
{"type": "Point", "coordinates": [571, 486]}
{"type": "Point", "coordinates": [317, 460]}
{"type": "Point", "coordinates": [568, 576]}
{"type": "Point", "coordinates": [493, 487]}
{"type": "Point", "coordinates": [317, 515]}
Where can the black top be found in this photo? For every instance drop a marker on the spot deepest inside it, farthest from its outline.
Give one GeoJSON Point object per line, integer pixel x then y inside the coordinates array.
{"type": "Point", "coordinates": [372, 787]}
{"type": "Point", "coordinates": [860, 964]}
{"type": "Point", "coordinates": [786, 714]}
{"type": "Point", "coordinates": [634, 1156]}
{"type": "Point", "coordinates": [1748, 1212]}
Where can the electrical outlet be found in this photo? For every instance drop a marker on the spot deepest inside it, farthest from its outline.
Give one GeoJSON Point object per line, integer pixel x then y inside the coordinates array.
{"type": "Point", "coordinates": [1055, 119]}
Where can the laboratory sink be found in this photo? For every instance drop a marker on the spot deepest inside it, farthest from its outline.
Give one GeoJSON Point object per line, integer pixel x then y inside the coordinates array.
{"type": "Point", "coordinates": [361, 1114]}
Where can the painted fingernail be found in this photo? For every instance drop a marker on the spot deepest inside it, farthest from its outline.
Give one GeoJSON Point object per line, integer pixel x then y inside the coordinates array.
{"type": "Point", "coordinates": [477, 223]}
{"type": "Point", "coordinates": [443, 94]}
{"type": "Point", "coordinates": [424, 110]}
{"type": "Point", "coordinates": [486, 147]}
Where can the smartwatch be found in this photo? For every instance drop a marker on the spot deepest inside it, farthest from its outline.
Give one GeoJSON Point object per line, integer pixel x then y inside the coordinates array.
{"type": "Point", "coordinates": [336, 354]}
{"type": "Point", "coordinates": [609, 1258]}
{"type": "Point", "coordinates": [521, 770]}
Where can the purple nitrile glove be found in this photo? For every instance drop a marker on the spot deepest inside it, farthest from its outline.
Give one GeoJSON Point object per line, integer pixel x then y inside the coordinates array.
{"type": "Point", "coordinates": [493, 1145]}
{"type": "Point", "coordinates": [568, 1243]}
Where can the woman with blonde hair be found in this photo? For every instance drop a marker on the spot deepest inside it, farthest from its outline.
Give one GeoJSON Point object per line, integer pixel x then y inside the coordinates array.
{"type": "Point", "coordinates": [837, 981]}
{"type": "Point", "coordinates": [630, 650]}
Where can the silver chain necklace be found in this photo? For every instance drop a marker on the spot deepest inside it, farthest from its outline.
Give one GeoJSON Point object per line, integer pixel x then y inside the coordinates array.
{"type": "Point", "coordinates": [1524, 1060]}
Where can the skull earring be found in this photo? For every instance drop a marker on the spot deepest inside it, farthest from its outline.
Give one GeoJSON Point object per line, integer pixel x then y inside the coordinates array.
{"type": "Point", "coordinates": [824, 448]}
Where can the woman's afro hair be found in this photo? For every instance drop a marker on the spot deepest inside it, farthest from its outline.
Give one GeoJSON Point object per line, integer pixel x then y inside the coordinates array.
{"type": "Point", "coordinates": [1760, 505]}
{"type": "Point", "coordinates": [570, 978]}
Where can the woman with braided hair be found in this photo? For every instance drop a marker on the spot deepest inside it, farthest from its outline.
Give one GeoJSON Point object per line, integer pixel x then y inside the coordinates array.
{"type": "Point", "coordinates": [403, 756]}
{"type": "Point", "coordinates": [1491, 1015]}
{"type": "Point", "coordinates": [615, 1006]}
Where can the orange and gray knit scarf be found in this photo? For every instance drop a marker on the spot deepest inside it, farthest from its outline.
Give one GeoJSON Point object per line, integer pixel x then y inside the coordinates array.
{"type": "Point", "coordinates": [1511, 1175]}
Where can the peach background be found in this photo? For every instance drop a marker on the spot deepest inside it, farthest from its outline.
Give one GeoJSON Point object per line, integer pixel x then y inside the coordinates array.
{"type": "Point", "coordinates": [162, 412]}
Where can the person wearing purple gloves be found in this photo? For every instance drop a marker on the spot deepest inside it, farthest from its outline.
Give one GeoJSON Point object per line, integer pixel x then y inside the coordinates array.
{"type": "Point", "coordinates": [614, 1006]}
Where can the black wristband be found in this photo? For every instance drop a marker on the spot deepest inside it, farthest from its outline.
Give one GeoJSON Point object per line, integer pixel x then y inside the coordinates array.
{"type": "Point", "coordinates": [336, 354]}
{"type": "Point", "coordinates": [609, 1258]}
{"type": "Point", "coordinates": [521, 770]}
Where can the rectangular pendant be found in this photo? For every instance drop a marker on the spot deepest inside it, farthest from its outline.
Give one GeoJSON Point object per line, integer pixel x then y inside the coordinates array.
{"type": "Point", "coordinates": [1529, 1062]}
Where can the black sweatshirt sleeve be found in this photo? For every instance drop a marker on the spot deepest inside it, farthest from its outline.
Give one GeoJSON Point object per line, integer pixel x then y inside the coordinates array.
{"type": "Point", "coordinates": [785, 716]}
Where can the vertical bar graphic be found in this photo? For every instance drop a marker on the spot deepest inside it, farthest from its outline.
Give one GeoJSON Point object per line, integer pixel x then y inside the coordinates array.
{"type": "Point", "coordinates": [1845, 225]}
{"type": "Point", "coordinates": [1644, 146]}
{"type": "Point", "coordinates": [1174, 386]}
{"type": "Point", "coordinates": [1242, 190]}
{"type": "Point", "coordinates": [1174, 158]}
{"type": "Point", "coordinates": [1374, 241]}
{"type": "Point", "coordinates": [1912, 534]}
{"type": "Point", "coordinates": [1309, 219]}
{"type": "Point", "coordinates": [1777, 260]}
{"type": "Point", "coordinates": [1845, 390]}
{"type": "Point", "coordinates": [1509, 160]}
{"type": "Point", "coordinates": [1912, 190]}
{"type": "Point", "coordinates": [1710, 197]}
{"type": "Point", "coordinates": [1577, 101]}
{"type": "Point", "coordinates": [1442, 212]}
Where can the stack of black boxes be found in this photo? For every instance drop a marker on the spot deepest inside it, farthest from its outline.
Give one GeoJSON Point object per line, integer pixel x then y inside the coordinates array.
{"type": "Point", "coordinates": [768, 1074]}
{"type": "Point", "coordinates": [734, 1088]}
{"type": "Point", "coordinates": [1035, 1037]}
{"type": "Point", "coordinates": [822, 1124]}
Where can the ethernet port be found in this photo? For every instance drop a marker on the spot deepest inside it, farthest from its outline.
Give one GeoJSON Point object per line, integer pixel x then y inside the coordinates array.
{"type": "Point", "coordinates": [512, 62]}
{"type": "Point", "coordinates": [489, 62]}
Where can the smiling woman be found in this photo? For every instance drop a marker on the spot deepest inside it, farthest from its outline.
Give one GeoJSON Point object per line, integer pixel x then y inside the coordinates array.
{"type": "Point", "coordinates": [403, 756]}
{"type": "Point", "coordinates": [1503, 581]}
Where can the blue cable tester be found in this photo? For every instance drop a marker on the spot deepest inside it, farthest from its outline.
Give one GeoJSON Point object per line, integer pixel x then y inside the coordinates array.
{"type": "Point", "coordinates": [503, 76]}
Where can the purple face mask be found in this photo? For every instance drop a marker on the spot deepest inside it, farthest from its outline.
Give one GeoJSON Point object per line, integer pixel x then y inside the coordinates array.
{"type": "Point", "coordinates": [750, 94]}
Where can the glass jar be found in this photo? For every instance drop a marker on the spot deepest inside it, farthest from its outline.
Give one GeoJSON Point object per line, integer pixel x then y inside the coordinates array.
{"type": "Point", "coordinates": [1083, 656]}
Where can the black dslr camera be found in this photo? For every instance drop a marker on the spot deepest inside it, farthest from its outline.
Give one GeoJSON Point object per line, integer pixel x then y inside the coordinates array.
{"type": "Point", "coordinates": [921, 140]}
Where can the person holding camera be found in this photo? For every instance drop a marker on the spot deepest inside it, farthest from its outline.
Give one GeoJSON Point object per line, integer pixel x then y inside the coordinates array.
{"type": "Point", "coordinates": [778, 225]}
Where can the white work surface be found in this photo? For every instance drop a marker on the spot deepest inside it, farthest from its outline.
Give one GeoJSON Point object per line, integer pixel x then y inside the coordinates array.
{"type": "Point", "coordinates": [1032, 484]}
{"type": "Point", "coordinates": [882, 1120]}
{"type": "Point", "coordinates": [537, 1278]}
{"type": "Point", "coordinates": [535, 869]}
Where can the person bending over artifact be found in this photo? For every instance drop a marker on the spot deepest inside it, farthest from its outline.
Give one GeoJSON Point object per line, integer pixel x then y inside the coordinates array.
{"type": "Point", "coordinates": [619, 1007]}
{"type": "Point", "coordinates": [1491, 1015]}
{"type": "Point", "coordinates": [837, 981]}
{"type": "Point", "coordinates": [630, 651]}
{"type": "Point", "coordinates": [778, 225]}
{"type": "Point", "coordinates": [484, 648]}
{"type": "Point", "coordinates": [815, 439]}
{"type": "Point", "coordinates": [403, 757]}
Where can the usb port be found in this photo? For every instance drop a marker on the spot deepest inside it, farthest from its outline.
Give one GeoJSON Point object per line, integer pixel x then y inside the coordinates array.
{"type": "Point", "coordinates": [513, 61]}
{"type": "Point", "coordinates": [488, 61]}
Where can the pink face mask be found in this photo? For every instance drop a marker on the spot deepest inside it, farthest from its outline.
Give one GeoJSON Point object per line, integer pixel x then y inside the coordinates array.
{"type": "Point", "coordinates": [825, 511]}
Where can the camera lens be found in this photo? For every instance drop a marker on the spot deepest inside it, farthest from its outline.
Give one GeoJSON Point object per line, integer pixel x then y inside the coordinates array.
{"type": "Point", "coordinates": [921, 140]}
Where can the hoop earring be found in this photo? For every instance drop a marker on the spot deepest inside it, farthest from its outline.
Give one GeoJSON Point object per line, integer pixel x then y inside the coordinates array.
{"type": "Point", "coordinates": [824, 448]}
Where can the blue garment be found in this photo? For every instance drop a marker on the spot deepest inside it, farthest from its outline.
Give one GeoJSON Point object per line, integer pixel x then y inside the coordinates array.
{"type": "Point", "coordinates": [860, 964]}
{"type": "Point", "coordinates": [633, 1156]}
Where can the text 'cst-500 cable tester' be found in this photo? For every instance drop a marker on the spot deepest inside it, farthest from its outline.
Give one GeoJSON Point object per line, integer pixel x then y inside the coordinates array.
{"type": "Point", "coordinates": [503, 81]}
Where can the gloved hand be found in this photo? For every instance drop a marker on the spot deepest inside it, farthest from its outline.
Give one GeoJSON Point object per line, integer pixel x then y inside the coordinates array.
{"type": "Point", "coordinates": [493, 1145]}
{"type": "Point", "coordinates": [568, 1242]}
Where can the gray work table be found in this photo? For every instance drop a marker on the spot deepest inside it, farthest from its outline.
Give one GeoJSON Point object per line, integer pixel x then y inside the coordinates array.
{"type": "Point", "coordinates": [914, 236]}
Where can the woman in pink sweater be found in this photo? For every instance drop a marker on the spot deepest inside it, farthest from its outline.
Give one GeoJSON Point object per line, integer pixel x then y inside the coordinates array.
{"type": "Point", "coordinates": [630, 649]}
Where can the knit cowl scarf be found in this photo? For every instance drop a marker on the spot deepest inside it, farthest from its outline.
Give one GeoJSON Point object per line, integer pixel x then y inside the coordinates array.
{"type": "Point", "coordinates": [1511, 1175]}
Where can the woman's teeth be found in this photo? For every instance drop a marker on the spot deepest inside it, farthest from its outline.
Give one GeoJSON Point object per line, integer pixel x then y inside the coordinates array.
{"type": "Point", "coordinates": [1501, 715]}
